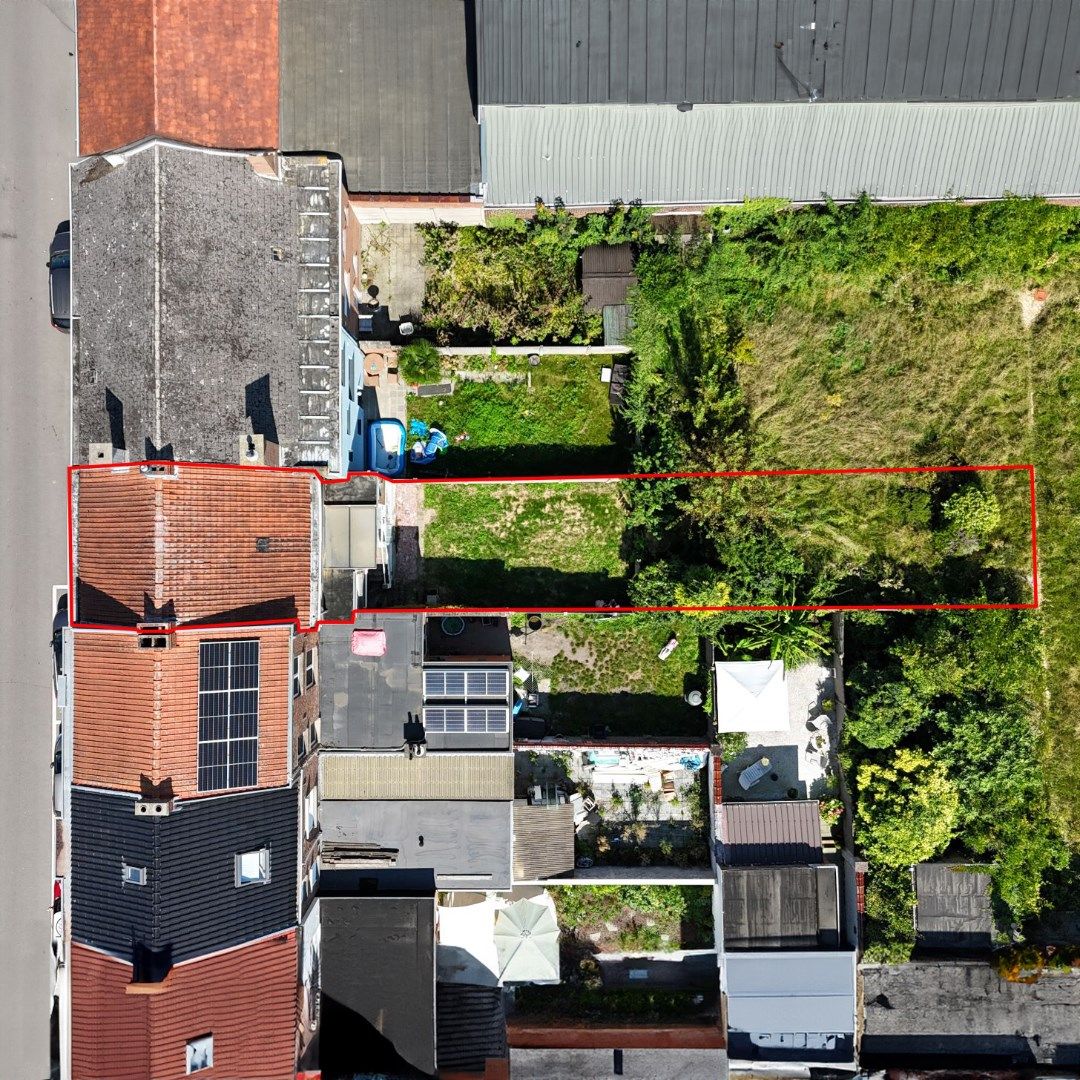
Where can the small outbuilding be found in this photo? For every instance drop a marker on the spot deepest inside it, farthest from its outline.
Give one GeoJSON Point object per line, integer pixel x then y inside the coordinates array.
{"type": "Point", "coordinates": [953, 908]}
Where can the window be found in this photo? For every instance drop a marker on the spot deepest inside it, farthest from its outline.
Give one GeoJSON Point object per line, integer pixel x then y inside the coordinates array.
{"type": "Point", "coordinates": [253, 867]}
{"type": "Point", "coordinates": [301, 746]}
{"type": "Point", "coordinates": [461, 720]}
{"type": "Point", "coordinates": [296, 675]}
{"type": "Point", "coordinates": [311, 811]}
{"type": "Point", "coordinates": [200, 1054]}
{"type": "Point", "coordinates": [228, 714]}
{"type": "Point", "coordinates": [133, 875]}
{"type": "Point", "coordinates": [309, 669]}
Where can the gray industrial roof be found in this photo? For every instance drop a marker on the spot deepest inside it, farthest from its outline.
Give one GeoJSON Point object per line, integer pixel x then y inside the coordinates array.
{"type": "Point", "coordinates": [953, 909]}
{"type": "Point", "coordinates": [668, 51]}
{"type": "Point", "coordinates": [377, 978]}
{"type": "Point", "coordinates": [589, 155]}
{"type": "Point", "coordinates": [774, 907]}
{"type": "Point", "coordinates": [964, 1008]}
{"type": "Point", "coordinates": [467, 844]}
{"type": "Point", "coordinates": [778, 832]}
{"type": "Point", "coordinates": [384, 85]}
{"type": "Point", "coordinates": [203, 306]}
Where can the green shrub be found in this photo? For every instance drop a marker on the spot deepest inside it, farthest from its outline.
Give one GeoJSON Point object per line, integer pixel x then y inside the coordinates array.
{"type": "Point", "coordinates": [420, 362]}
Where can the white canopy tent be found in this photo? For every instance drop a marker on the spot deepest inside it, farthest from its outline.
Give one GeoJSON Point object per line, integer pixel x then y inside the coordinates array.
{"type": "Point", "coordinates": [750, 695]}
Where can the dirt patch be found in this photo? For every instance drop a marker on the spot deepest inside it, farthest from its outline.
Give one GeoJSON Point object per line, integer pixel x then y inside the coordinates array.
{"type": "Point", "coordinates": [1032, 302]}
{"type": "Point", "coordinates": [542, 646]}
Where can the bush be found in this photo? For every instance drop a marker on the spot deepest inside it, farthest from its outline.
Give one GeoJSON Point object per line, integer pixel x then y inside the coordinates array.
{"type": "Point", "coordinates": [420, 362]}
{"type": "Point", "coordinates": [883, 717]}
{"type": "Point", "coordinates": [890, 907]}
{"type": "Point", "coordinates": [908, 809]}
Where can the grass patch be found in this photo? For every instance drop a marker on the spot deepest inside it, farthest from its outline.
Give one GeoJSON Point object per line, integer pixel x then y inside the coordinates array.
{"type": "Point", "coordinates": [607, 671]}
{"type": "Point", "coordinates": [553, 419]}
{"type": "Point", "coordinates": [525, 544]}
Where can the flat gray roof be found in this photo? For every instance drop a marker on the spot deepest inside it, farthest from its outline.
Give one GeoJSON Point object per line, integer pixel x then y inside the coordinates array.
{"type": "Point", "coordinates": [953, 909]}
{"type": "Point", "coordinates": [589, 155]}
{"type": "Point", "coordinates": [206, 303]}
{"type": "Point", "coordinates": [385, 86]}
{"type": "Point", "coordinates": [467, 844]}
{"type": "Point", "coordinates": [632, 51]}
{"type": "Point", "coordinates": [367, 701]}
{"type": "Point", "coordinates": [377, 966]}
{"type": "Point", "coordinates": [964, 1008]}
{"type": "Point", "coordinates": [774, 907]}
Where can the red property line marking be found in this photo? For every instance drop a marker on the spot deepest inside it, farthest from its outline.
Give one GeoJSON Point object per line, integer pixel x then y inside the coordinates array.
{"type": "Point", "coordinates": [567, 609]}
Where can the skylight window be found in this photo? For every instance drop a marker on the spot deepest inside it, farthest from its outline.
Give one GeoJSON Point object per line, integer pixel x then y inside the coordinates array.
{"type": "Point", "coordinates": [253, 867]}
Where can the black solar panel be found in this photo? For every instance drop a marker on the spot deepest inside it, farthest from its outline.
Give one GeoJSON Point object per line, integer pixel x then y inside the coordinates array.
{"type": "Point", "coordinates": [228, 714]}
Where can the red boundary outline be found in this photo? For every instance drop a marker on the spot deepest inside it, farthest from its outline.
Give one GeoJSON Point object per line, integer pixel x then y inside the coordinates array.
{"type": "Point", "coordinates": [877, 470]}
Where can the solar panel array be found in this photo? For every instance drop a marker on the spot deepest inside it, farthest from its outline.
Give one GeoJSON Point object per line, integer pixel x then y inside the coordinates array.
{"type": "Point", "coordinates": [228, 714]}
{"type": "Point", "coordinates": [462, 720]}
{"type": "Point", "coordinates": [466, 684]}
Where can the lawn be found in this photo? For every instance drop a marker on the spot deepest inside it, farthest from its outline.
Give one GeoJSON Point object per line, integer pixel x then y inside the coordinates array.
{"type": "Point", "coordinates": [607, 672]}
{"type": "Point", "coordinates": [522, 545]}
{"type": "Point", "coordinates": [552, 419]}
{"type": "Point", "coordinates": [634, 918]}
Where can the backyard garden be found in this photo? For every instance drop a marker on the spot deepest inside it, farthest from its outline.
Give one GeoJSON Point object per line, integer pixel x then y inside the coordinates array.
{"type": "Point", "coordinates": [508, 417]}
{"type": "Point", "coordinates": [849, 336]}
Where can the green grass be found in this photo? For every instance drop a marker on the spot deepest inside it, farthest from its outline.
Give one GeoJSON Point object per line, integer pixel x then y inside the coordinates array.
{"type": "Point", "coordinates": [609, 673]}
{"type": "Point", "coordinates": [541, 544]}
{"type": "Point", "coordinates": [555, 420]}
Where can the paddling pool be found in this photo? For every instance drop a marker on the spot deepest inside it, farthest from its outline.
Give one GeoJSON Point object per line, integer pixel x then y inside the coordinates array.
{"type": "Point", "coordinates": [386, 447]}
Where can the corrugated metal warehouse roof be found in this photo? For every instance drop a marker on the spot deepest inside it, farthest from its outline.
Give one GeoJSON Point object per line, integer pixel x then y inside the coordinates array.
{"type": "Point", "coordinates": [468, 777]}
{"type": "Point", "coordinates": [637, 51]}
{"type": "Point", "coordinates": [386, 86]}
{"type": "Point", "coordinates": [589, 155]}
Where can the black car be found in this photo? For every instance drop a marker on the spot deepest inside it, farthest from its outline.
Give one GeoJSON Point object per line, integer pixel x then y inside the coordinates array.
{"type": "Point", "coordinates": [59, 265]}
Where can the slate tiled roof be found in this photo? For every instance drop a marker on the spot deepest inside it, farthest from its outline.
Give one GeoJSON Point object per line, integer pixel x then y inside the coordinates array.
{"type": "Point", "coordinates": [206, 305]}
{"type": "Point", "coordinates": [190, 902]}
{"type": "Point", "coordinates": [137, 710]}
{"type": "Point", "coordinates": [194, 545]}
{"type": "Point", "coordinates": [470, 1024]}
{"type": "Point", "coordinates": [204, 73]}
{"type": "Point", "coordinates": [780, 833]}
{"type": "Point", "coordinates": [246, 997]}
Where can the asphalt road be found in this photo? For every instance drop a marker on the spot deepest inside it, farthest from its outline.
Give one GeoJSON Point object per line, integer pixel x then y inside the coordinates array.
{"type": "Point", "coordinates": [37, 140]}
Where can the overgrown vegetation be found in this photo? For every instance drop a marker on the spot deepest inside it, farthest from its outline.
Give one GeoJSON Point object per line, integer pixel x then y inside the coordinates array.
{"type": "Point", "coordinates": [647, 918]}
{"type": "Point", "coordinates": [943, 738]}
{"type": "Point", "coordinates": [516, 280]}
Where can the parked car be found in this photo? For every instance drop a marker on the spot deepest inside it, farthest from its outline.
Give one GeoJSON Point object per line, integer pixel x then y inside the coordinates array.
{"type": "Point", "coordinates": [59, 265]}
{"type": "Point", "coordinates": [60, 621]}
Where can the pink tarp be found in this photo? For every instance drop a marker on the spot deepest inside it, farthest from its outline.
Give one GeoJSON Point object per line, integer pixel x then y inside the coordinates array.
{"type": "Point", "coordinates": [368, 643]}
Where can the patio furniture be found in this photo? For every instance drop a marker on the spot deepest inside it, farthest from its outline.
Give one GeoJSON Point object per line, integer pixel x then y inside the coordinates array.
{"type": "Point", "coordinates": [667, 786]}
{"type": "Point", "coordinates": [753, 773]}
{"type": "Point", "coordinates": [668, 649]}
{"type": "Point", "coordinates": [819, 723]}
{"type": "Point", "coordinates": [581, 815]}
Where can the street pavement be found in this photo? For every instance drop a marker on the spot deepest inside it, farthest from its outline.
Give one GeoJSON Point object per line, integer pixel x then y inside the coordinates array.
{"type": "Point", "coordinates": [37, 140]}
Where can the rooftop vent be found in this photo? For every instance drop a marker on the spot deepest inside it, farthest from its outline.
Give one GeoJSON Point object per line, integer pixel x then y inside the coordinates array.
{"type": "Point", "coordinates": [158, 470]}
{"type": "Point", "coordinates": [152, 808]}
{"type": "Point", "coordinates": [154, 641]}
{"type": "Point", "coordinates": [262, 544]}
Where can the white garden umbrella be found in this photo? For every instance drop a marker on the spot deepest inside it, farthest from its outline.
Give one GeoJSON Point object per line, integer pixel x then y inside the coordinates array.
{"type": "Point", "coordinates": [527, 941]}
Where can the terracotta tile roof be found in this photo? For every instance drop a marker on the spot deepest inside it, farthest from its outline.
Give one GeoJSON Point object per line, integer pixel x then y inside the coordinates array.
{"type": "Point", "coordinates": [246, 998]}
{"type": "Point", "coordinates": [194, 545]}
{"type": "Point", "coordinates": [200, 71]}
{"type": "Point", "coordinates": [136, 711]}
